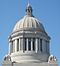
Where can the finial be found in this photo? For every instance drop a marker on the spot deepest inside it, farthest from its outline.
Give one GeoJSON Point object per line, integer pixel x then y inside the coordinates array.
{"type": "Point", "coordinates": [28, 2]}
{"type": "Point", "coordinates": [28, 9]}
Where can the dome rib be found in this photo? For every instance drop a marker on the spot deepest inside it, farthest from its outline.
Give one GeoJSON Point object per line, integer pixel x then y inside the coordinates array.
{"type": "Point", "coordinates": [28, 22]}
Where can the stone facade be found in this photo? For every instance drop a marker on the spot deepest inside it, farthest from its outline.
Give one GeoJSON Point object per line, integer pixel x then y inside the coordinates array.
{"type": "Point", "coordinates": [30, 64]}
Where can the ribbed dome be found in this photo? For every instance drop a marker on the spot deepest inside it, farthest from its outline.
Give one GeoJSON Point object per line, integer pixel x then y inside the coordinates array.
{"type": "Point", "coordinates": [28, 22]}
{"type": "Point", "coordinates": [29, 43]}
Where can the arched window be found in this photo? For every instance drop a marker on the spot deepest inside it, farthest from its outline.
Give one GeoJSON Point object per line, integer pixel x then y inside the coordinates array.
{"type": "Point", "coordinates": [29, 44]}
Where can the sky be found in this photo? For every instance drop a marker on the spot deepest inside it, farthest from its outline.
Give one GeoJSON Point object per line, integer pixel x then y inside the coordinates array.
{"type": "Point", "coordinates": [47, 11]}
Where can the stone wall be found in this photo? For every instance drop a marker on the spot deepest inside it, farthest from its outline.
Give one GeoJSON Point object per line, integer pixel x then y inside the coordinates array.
{"type": "Point", "coordinates": [29, 64]}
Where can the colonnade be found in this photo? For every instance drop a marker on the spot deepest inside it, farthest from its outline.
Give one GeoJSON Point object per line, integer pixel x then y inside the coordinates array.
{"type": "Point", "coordinates": [28, 44]}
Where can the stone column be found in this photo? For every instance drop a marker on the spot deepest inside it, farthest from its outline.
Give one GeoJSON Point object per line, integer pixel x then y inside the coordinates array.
{"type": "Point", "coordinates": [23, 44]}
{"type": "Point", "coordinates": [39, 44]}
{"type": "Point", "coordinates": [46, 46]}
{"type": "Point", "coordinates": [36, 45]}
{"type": "Point", "coordinates": [27, 44]}
{"type": "Point", "coordinates": [15, 45]}
{"type": "Point", "coordinates": [43, 45]}
{"type": "Point", "coordinates": [19, 44]}
{"type": "Point", "coordinates": [48, 51]}
{"type": "Point", "coordinates": [11, 47]}
{"type": "Point", "coordinates": [31, 44]}
{"type": "Point", "coordinates": [10, 44]}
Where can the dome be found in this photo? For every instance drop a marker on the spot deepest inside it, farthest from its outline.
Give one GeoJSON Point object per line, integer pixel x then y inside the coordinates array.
{"type": "Point", "coordinates": [28, 22]}
{"type": "Point", "coordinates": [29, 43]}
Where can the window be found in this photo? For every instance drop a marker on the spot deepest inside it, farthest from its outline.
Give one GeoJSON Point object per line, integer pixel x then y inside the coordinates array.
{"type": "Point", "coordinates": [41, 45]}
{"type": "Point", "coordinates": [17, 44]}
{"type": "Point", "coordinates": [14, 46]}
{"type": "Point", "coordinates": [25, 45]}
{"type": "Point", "coordinates": [29, 44]}
{"type": "Point", "coordinates": [38, 44]}
{"type": "Point", "coordinates": [33, 44]}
